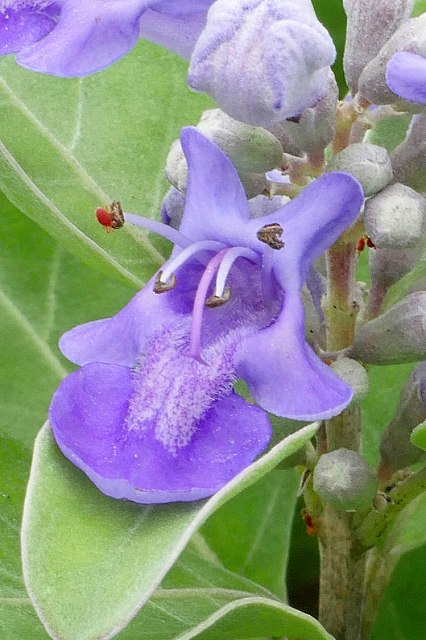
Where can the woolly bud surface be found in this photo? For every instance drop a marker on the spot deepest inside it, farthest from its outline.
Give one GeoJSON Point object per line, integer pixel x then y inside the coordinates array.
{"type": "Point", "coordinates": [399, 335]}
{"type": "Point", "coordinates": [394, 218]}
{"type": "Point", "coordinates": [370, 25]}
{"type": "Point", "coordinates": [396, 449]}
{"type": "Point", "coordinates": [354, 374]}
{"type": "Point", "coordinates": [368, 163]}
{"type": "Point", "coordinates": [343, 479]}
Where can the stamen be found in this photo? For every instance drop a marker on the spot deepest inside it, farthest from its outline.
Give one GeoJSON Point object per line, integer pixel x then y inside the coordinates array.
{"type": "Point", "coordinates": [217, 301]}
{"type": "Point", "coordinates": [270, 234]}
{"type": "Point", "coordinates": [226, 266]}
{"type": "Point", "coordinates": [159, 228]}
{"type": "Point", "coordinates": [162, 287]}
{"type": "Point", "coordinates": [197, 310]}
{"type": "Point", "coordinates": [189, 252]}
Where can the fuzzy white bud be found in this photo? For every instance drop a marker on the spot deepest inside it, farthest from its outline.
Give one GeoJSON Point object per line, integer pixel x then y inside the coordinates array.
{"type": "Point", "coordinates": [368, 163]}
{"type": "Point", "coordinates": [395, 217]}
{"type": "Point", "coordinates": [343, 479]}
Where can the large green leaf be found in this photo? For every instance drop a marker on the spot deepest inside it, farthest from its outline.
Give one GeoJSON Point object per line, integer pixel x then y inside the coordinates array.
{"type": "Point", "coordinates": [18, 620]}
{"type": "Point", "coordinates": [43, 291]}
{"type": "Point", "coordinates": [68, 146]}
{"type": "Point", "coordinates": [251, 533]}
{"type": "Point", "coordinates": [402, 613]}
{"type": "Point", "coordinates": [91, 562]}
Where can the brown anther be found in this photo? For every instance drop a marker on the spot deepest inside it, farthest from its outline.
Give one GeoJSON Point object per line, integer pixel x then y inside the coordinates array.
{"type": "Point", "coordinates": [162, 287]}
{"type": "Point", "coordinates": [117, 217]}
{"type": "Point", "coordinates": [218, 301]}
{"type": "Point", "coordinates": [270, 234]}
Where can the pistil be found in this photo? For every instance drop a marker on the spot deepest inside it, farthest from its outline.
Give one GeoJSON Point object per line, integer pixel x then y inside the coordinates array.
{"type": "Point", "coordinates": [199, 301]}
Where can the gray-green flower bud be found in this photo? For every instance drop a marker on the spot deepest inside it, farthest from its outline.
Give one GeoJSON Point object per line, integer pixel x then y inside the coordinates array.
{"type": "Point", "coordinates": [370, 25]}
{"type": "Point", "coordinates": [315, 128]}
{"type": "Point", "coordinates": [387, 266]}
{"type": "Point", "coordinates": [396, 450]}
{"type": "Point", "coordinates": [343, 479]}
{"type": "Point", "coordinates": [411, 36]}
{"type": "Point", "coordinates": [368, 163]}
{"type": "Point", "coordinates": [252, 150]}
{"type": "Point", "coordinates": [409, 158]}
{"type": "Point", "coordinates": [399, 335]}
{"type": "Point", "coordinates": [354, 374]}
{"type": "Point", "coordinates": [395, 217]}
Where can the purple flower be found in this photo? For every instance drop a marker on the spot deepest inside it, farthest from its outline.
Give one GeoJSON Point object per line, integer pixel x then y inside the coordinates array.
{"type": "Point", "coordinates": [262, 60]}
{"type": "Point", "coordinates": [75, 38]}
{"type": "Point", "coordinates": [152, 415]}
{"type": "Point", "coordinates": [406, 76]}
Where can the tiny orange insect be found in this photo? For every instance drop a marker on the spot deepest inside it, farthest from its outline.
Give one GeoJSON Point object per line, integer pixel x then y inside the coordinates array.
{"type": "Point", "coordinates": [310, 521]}
{"type": "Point", "coordinates": [111, 217]}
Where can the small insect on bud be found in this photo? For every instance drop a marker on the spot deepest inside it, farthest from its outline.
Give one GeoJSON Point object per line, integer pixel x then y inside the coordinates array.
{"type": "Point", "coordinates": [310, 521]}
{"type": "Point", "coordinates": [111, 217]}
{"type": "Point", "coordinates": [363, 242]}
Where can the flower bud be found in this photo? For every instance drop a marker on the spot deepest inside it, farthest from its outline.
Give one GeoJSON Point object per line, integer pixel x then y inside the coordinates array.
{"type": "Point", "coordinates": [172, 208]}
{"type": "Point", "coordinates": [369, 27]}
{"type": "Point", "coordinates": [399, 335]}
{"type": "Point", "coordinates": [315, 128]}
{"type": "Point", "coordinates": [262, 79]}
{"type": "Point", "coordinates": [264, 205]}
{"type": "Point", "coordinates": [368, 163]}
{"type": "Point", "coordinates": [409, 158]}
{"type": "Point", "coordinates": [396, 449]}
{"type": "Point", "coordinates": [252, 150]}
{"type": "Point", "coordinates": [387, 266]}
{"type": "Point", "coordinates": [395, 217]}
{"type": "Point", "coordinates": [411, 37]}
{"type": "Point", "coordinates": [343, 479]}
{"type": "Point", "coordinates": [354, 374]}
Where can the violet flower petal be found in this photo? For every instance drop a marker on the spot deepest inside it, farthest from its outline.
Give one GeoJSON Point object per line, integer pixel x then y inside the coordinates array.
{"type": "Point", "coordinates": [406, 76]}
{"type": "Point", "coordinates": [215, 207]}
{"type": "Point", "coordinates": [21, 27]}
{"type": "Point", "coordinates": [88, 415]}
{"type": "Point", "coordinates": [89, 36]}
{"type": "Point", "coordinates": [285, 376]}
{"type": "Point", "coordinates": [120, 339]}
{"type": "Point", "coordinates": [175, 25]}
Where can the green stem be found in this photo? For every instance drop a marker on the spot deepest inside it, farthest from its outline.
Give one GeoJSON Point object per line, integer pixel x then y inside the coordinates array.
{"type": "Point", "coordinates": [342, 558]}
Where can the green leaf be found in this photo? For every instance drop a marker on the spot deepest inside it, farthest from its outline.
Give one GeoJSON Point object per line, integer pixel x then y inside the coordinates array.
{"type": "Point", "coordinates": [201, 599]}
{"type": "Point", "coordinates": [69, 146]}
{"type": "Point", "coordinates": [380, 404]}
{"type": "Point", "coordinates": [418, 436]}
{"type": "Point", "coordinates": [251, 533]}
{"type": "Point", "coordinates": [408, 283]}
{"type": "Point", "coordinates": [102, 558]}
{"type": "Point", "coordinates": [389, 133]}
{"type": "Point", "coordinates": [18, 620]}
{"type": "Point", "coordinates": [43, 292]}
{"type": "Point", "coordinates": [419, 7]}
{"type": "Point", "coordinates": [401, 615]}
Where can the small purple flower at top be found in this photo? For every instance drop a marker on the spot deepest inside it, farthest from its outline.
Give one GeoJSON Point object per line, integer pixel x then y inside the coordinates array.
{"type": "Point", "coordinates": [152, 415]}
{"type": "Point", "coordinates": [74, 38]}
{"type": "Point", "coordinates": [262, 60]}
{"type": "Point", "coordinates": [406, 76]}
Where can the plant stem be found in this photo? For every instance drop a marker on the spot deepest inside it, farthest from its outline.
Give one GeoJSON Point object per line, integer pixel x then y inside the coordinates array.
{"type": "Point", "coordinates": [342, 558]}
